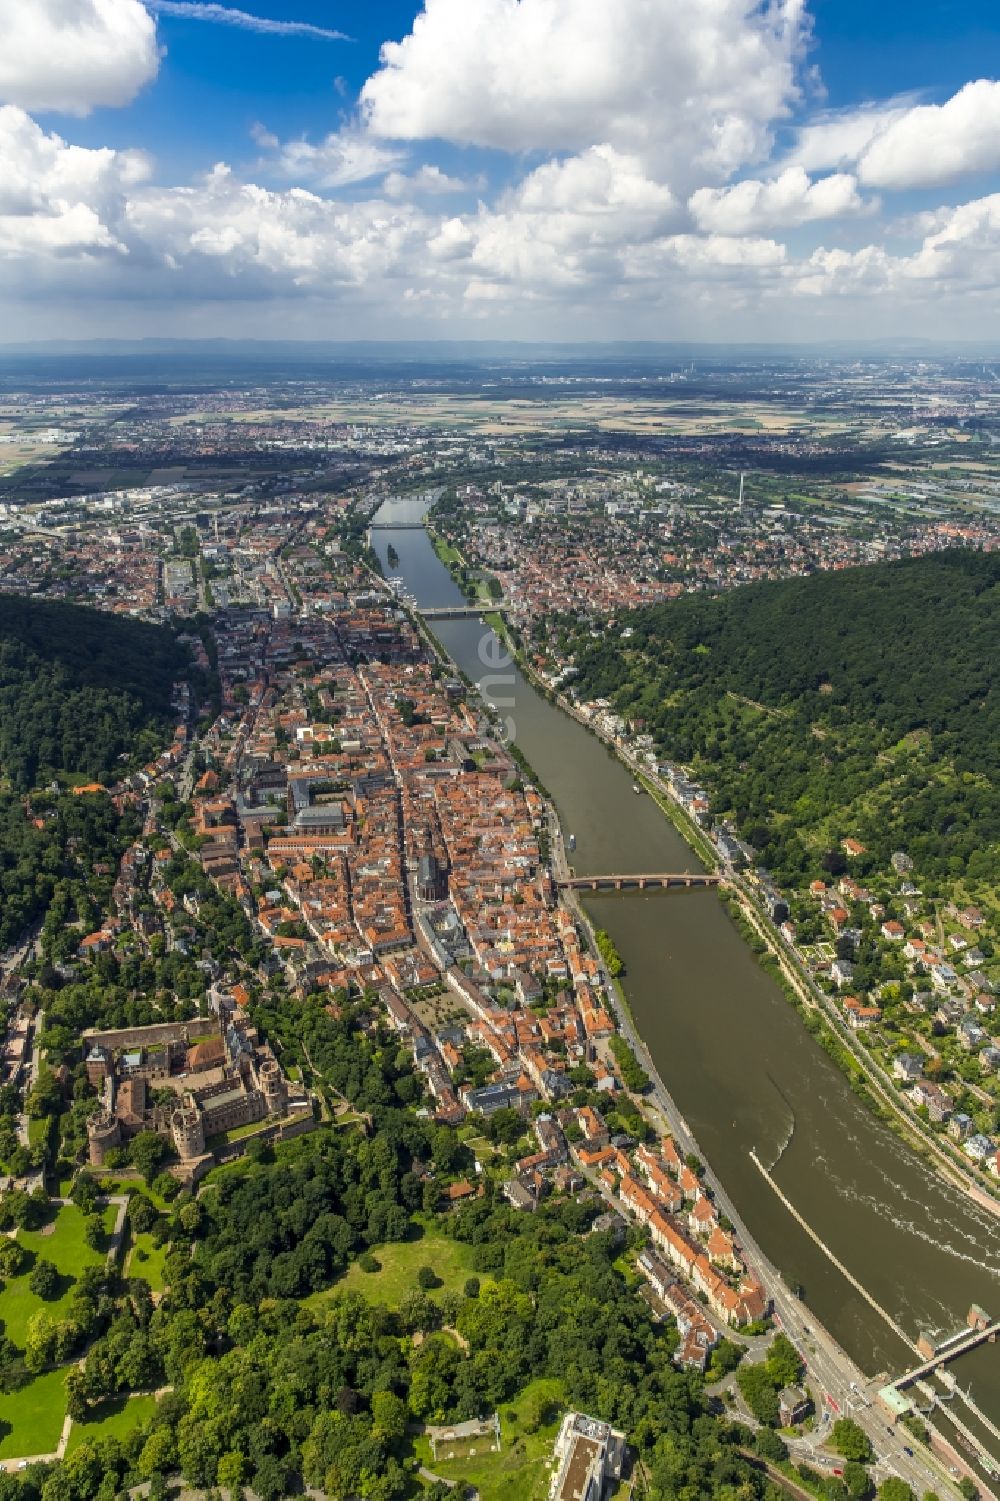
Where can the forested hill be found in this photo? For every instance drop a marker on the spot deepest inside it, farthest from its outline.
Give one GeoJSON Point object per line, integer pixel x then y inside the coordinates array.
{"type": "Point", "coordinates": [79, 689]}
{"type": "Point", "coordinates": [862, 702]}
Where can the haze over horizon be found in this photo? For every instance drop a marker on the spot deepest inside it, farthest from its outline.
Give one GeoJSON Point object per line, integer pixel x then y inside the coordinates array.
{"type": "Point", "coordinates": [543, 170]}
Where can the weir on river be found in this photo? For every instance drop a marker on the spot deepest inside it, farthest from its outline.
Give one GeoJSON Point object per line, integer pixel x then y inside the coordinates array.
{"type": "Point", "coordinates": [733, 1052]}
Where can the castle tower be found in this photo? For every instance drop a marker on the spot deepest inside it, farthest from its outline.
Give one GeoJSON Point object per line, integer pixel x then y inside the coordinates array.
{"type": "Point", "coordinates": [272, 1083]}
{"type": "Point", "coordinates": [104, 1132]}
{"type": "Point", "coordinates": [188, 1130]}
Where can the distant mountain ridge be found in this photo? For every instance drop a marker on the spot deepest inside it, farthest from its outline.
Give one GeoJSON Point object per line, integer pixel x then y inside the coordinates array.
{"type": "Point", "coordinates": [464, 349]}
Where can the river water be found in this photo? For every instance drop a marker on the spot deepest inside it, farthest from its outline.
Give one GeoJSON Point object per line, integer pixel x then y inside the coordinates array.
{"type": "Point", "coordinates": [734, 1054]}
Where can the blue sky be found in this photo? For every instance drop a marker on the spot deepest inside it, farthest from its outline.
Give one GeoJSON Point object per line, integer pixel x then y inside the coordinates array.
{"type": "Point", "coordinates": [563, 168]}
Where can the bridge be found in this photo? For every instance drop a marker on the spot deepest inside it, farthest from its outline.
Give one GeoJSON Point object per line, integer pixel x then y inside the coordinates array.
{"type": "Point", "coordinates": [637, 883]}
{"type": "Point", "coordinates": [950, 1350]}
{"type": "Point", "coordinates": [395, 526]}
{"type": "Point", "coordinates": [461, 612]}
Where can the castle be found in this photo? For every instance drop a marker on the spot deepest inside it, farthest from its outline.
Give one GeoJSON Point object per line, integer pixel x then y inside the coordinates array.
{"type": "Point", "coordinates": [222, 1077]}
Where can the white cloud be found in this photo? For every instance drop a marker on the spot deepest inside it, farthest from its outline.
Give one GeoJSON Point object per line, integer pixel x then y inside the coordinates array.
{"type": "Point", "coordinates": [690, 87]}
{"type": "Point", "coordinates": [838, 273]}
{"type": "Point", "coordinates": [563, 228]}
{"type": "Point", "coordinates": [963, 248]}
{"type": "Point", "coordinates": [904, 144]}
{"type": "Point", "coordinates": [937, 143]}
{"type": "Point", "coordinates": [786, 201]}
{"type": "Point", "coordinates": [705, 256]}
{"type": "Point", "coordinates": [345, 156]}
{"type": "Point", "coordinates": [224, 15]}
{"type": "Point", "coordinates": [959, 257]}
{"type": "Point", "coordinates": [427, 181]}
{"type": "Point", "coordinates": [60, 199]}
{"type": "Point", "coordinates": [838, 139]}
{"type": "Point", "coordinates": [74, 55]}
{"type": "Point", "coordinates": [599, 181]}
{"type": "Point", "coordinates": [275, 242]}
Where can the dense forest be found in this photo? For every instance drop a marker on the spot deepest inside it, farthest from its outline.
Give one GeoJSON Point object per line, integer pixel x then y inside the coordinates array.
{"type": "Point", "coordinates": [79, 689]}
{"type": "Point", "coordinates": [862, 702]}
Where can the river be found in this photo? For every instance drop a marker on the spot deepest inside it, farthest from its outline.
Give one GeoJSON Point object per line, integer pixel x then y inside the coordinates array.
{"type": "Point", "coordinates": [733, 1052]}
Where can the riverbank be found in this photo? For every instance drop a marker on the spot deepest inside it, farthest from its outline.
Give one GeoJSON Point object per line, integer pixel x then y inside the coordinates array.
{"type": "Point", "coordinates": [869, 1082]}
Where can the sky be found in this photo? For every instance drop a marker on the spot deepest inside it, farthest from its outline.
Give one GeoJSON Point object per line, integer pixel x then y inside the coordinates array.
{"type": "Point", "coordinates": [725, 170]}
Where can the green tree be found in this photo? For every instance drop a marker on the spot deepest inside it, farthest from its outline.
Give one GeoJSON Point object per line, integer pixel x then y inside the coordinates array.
{"type": "Point", "coordinates": [851, 1441]}
{"type": "Point", "coordinates": [857, 1481]}
{"type": "Point", "coordinates": [77, 1394]}
{"type": "Point", "coordinates": [769, 1445]}
{"type": "Point", "coordinates": [389, 1415]}
{"type": "Point", "coordinates": [142, 1215]}
{"type": "Point", "coordinates": [894, 1489]}
{"type": "Point", "coordinates": [44, 1279]}
{"type": "Point", "coordinates": [270, 1479]}
{"type": "Point", "coordinates": [759, 1393]}
{"type": "Point", "coordinates": [45, 1096]}
{"type": "Point", "coordinates": [13, 1257]}
{"type": "Point", "coordinates": [146, 1151]}
{"type": "Point", "coordinates": [232, 1471]}
{"type": "Point", "coordinates": [784, 1364]}
{"type": "Point", "coordinates": [159, 1453]}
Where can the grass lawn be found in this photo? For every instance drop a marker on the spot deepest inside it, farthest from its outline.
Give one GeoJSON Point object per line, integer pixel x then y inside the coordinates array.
{"type": "Point", "coordinates": [31, 1420]}
{"type": "Point", "coordinates": [112, 1184]}
{"type": "Point", "coordinates": [483, 1150]}
{"type": "Point", "coordinates": [444, 550]}
{"type": "Point", "coordinates": [146, 1261]}
{"type": "Point", "coordinates": [399, 1262]}
{"type": "Point", "coordinates": [236, 1134]}
{"type": "Point", "coordinates": [520, 1471]}
{"type": "Point", "coordinates": [111, 1420]}
{"type": "Point", "coordinates": [69, 1253]}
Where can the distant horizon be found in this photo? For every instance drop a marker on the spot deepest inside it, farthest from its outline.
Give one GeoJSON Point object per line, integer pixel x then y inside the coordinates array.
{"type": "Point", "coordinates": [154, 343]}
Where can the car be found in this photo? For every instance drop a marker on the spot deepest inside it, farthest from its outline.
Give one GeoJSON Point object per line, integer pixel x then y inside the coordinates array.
{"type": "Point", "coordinates": [908, 1450]}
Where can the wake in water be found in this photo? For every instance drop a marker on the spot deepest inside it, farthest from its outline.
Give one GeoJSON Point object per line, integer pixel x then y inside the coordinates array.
{"type": "Point", "coordinates": [791, 1129]}
{"type": "Point", "coordinates": [935, 1239]}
